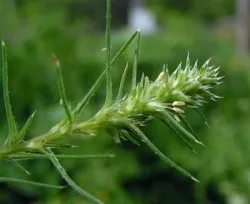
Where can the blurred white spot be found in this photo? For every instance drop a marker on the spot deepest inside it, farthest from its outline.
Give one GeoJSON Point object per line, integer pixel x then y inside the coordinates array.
{"type": "Point", "coordinates": [142, 18]}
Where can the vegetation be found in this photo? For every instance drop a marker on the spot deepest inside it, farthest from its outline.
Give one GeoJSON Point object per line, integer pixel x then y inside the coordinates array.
{"type": "Point", "coordinates": [134, 175]}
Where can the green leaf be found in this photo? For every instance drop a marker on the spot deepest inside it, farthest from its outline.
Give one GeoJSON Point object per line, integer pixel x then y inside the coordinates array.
{"type": "Point", "coordinates": [108, 56]}
{"type": "Point", "coordinates": [98, 82]}
{"type": "Point", "coordinates": [131, 139]}
{"type": "Point", "coordinates": [202, 116]}
{"type": "Point", "coordinates": [121, 88]}
{"type": "Point", "coordinates": [24, 156]}
{"type": "Point", "coordinates": [124, 47]}
{"type": "Point", "coordinates": [18, 165]}
{"type": "Point", "coordinates": [61, 87]}
{"type": "Point", "coordinates": [9, 114]}
{"type": "Point", "coordinates": [179, 135]}
{"type": "Point", "coordinates": [88, 96]}
{"type": "Point", "coordinates": [15, 180]}
{"type": "Point", "coordinates": [135, 64]}
{"type": "Point", "coordinates": [66, 177]}
{"type": "Point", "coordinates": [144, 139]}
{"type": "Point", "coordinates": [26, 126]}
{"type": "Point", "coordinates": [188, 126]}
{"type": "Point", "coordinates": [56, 145]}
{"type": "Point", "coordinates": [180, 128]}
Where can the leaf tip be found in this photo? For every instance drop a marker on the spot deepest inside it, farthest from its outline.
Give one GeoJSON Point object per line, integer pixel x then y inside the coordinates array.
{"type": "Point", "coordinates": [56, 61]}
{"type": "Point", "coordinates": [194, 179]}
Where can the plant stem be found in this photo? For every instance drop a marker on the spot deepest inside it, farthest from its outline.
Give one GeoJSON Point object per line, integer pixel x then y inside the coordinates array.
{"type": "Point", "coordinates": [108, 57]}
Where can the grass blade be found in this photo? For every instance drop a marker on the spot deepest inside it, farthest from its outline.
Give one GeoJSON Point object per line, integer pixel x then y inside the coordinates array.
{"type": "Point", "coordinates": [108, 57]}
{"type": "Point", "coordinates": [66, 177]}
{"type": "Point", "coordinates": [180, 137]}
{"type": "Point", "coordinates": [9, 114]}
{"type": "Point", "coordinates": [26, 126]}
{"type": "Point", "coordinates": [124, 47]}
{"type": "Point", "coordinates": [136, 61]}
{"type": "Point", "coordinates": [131, 139]}
{"type": "Point", "coordinates": [57, 145]}
{"type": "Point", "coordinates": [38, 184]}
{"type": "Point", "coordinates": [62, 156]}
{"type": "Point", "coordinates": [202, 115]}
{"type": "Point", "coordinates": [121, 88]}
{"type": "Point", "coordinates": [98, 82]}
{"type": "Point", "coordinates": [180, 128]}
{"type": "Point", "coordinates": [185, 122]}
{"type": "Point", "coordinates": [18, 165]}
{"type": "Point", "coordinates": [88, 96]}
{"type": "Point", "coordinates": [144, 138]}
{"type": "Point", "coordinates": [62, 90]}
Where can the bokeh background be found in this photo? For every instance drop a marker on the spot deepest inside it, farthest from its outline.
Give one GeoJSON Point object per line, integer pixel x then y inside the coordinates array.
{"type": "Point", "coordinates": [74, 30]}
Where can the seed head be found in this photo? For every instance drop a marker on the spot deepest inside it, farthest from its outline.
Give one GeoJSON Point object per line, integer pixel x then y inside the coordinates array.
{"type": "Point", "coordinates": [161, 76]}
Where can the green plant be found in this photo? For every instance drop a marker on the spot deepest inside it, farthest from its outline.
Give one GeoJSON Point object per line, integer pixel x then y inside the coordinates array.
{"type": "Point", "coordinates": [122, 117]}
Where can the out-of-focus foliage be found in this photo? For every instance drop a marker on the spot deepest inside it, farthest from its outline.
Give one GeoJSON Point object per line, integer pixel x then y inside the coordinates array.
{"type": "Point", "coordinates": [34, 30]}
{"type": "Point", "coordinates": [209, 11]}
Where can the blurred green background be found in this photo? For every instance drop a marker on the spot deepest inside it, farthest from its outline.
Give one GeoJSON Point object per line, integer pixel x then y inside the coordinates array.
{"type": "Point", "coordinates": [74, 30]}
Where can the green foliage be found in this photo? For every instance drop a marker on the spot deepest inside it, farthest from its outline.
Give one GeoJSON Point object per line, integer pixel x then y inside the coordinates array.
{"type": "Point", "coordinates": [208, 11]}
{"type": "Point", "coordinates": [134, 176]}
{"type": "Point", "coordinates": [124, 117]}
{"type": "Point", "coordinates": [10, 118]}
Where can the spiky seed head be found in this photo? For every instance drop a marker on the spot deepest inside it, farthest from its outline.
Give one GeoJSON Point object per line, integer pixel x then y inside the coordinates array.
{"type": "Point", "coordinates": [160, 77]}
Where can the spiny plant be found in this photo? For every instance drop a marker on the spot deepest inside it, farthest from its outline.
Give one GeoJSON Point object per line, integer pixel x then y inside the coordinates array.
{"type": "Point", "coordinates": [122, 116]}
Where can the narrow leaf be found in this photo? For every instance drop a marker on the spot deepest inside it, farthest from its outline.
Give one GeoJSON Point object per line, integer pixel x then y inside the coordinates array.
{"type": "Point", "coordinates": [15, 180]}
{"type": "Point", "coordinates": [181, 129]}
{"type": "Point", "coordinates": [62, 90]}
{"type": "Point", "coordinates": [136, 60]}
{"type": "Point", "coordinates": [23, 156]}
{"type": "Point", "coordinates": [144, 138]}
{"type": "Point", "coordinates": [179, 135]}
{"type": "Point", "coordinates": [9, 114]}
{"type": "Point", "coordinates": [26, 126]}
{"type": "Point", "coordinates": [98, 82]}
{"type": "Point", "coordinates": [56, 145]}
{"type": "Point", "coordinates": [185, 122]}
{"type": "Point", "coordinates": [202, 116]}
{"type": "Point", "coordinates": [121, 88]}
{"type": "Point", "coordinates": [124, 47]}
{"type": "Point", "coordinates": [131, 139]}
{"type": "Point", "coordinates": [66, 177]}
{"type": "Point", "coordinates": [18, 165]}
{"type": "Point", "coordinates": [89, 95]}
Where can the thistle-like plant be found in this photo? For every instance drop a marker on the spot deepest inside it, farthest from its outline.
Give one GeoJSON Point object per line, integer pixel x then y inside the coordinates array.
{"type": "Point", "coordinates": [165, 99]}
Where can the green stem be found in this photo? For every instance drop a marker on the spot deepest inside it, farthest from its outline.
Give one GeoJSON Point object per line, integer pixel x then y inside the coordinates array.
{"type": "Point", "coordinates": [66, 177]}
{"type": "Point", "coordinates": [108, 57]}
{"type": "Point", "coordinates": [16, 180]}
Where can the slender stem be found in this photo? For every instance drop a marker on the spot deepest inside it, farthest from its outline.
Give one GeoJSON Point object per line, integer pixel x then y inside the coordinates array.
{"type": "Point", "coordinates": [108, 57]}
{"type": "Point", "coordinates": [16, 180]}
{"type": "Point", "coordinates": [66, 177]}
{"type": "Point", "coordinates": [63, 156]}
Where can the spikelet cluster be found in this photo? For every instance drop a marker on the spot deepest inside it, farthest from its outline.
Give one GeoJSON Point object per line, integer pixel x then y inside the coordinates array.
{"type": "Point", "coordinates": [164, 99]}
